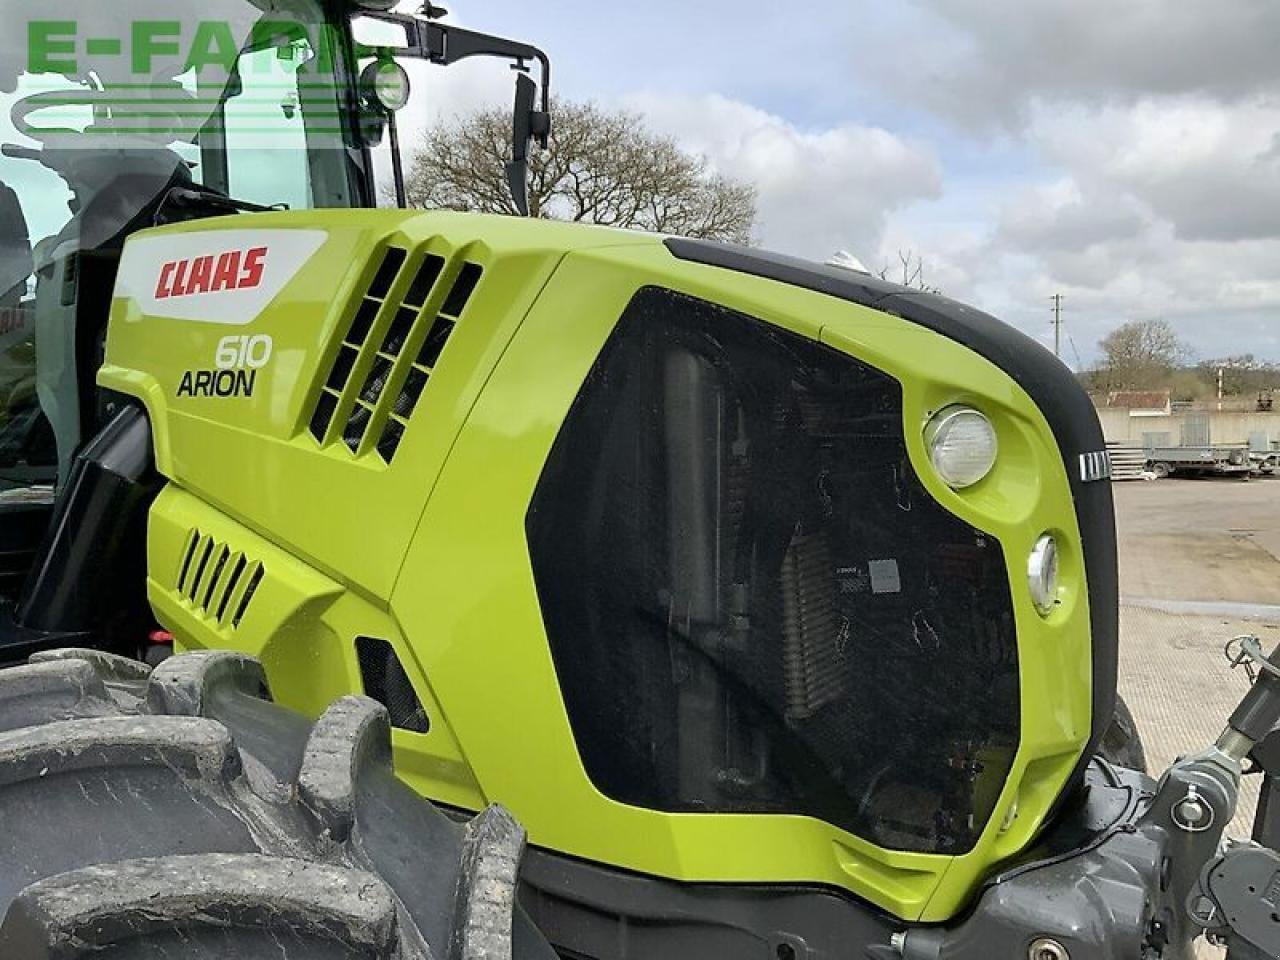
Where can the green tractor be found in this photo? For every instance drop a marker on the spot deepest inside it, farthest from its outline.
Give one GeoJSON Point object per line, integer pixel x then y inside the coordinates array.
{"type": "Point", "coordinates": [532, 589]}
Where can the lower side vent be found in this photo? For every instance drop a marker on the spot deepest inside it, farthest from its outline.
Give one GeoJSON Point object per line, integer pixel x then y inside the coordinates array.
{"type": "Point", "coordinates": [385, 681]}
{"type": "Point", "coordinates": [218, 581]}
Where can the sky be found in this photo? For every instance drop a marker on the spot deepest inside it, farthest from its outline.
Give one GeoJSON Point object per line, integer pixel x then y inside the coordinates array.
{"type": "Point", "coordinates": [1123, 154]}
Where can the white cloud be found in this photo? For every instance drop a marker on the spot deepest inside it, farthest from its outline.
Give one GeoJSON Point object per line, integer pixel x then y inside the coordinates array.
{"type": "Point", "coordinates": [984, 61]}
{"type": "Point", "coordinates": [1160, 206]}
{"type": "Point", "coordinates": [817, 191]}
{"type": "Point", "coordinates": [1124, 154]}
{"type": "Point", "coordinates": [1210, 169]}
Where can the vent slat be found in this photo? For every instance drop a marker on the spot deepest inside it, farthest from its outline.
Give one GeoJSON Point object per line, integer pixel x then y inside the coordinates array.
{"type": "Point", "coordinates": [320, 420]}
{"type": "Point", "coordinates": [255, 579]}
{"type": "Point", "coordinates": [424, 281]}
{"type": "Point", "coordinates": [223, 555]}
{"type": "Point", "coordinates": [392, 261]}
{"type": "Point", "coordinates": [375, 382]}
{"type": "Point", "coordinates": [414, 384]}
{"type": "Point", "coordinates": [342, 365]}
{"type": "Point", "coordinates": [233, 581]}
{"type": "Point", "coordinates": [193, 540]}
{"type": "Point", "coordinates": [215, 578]}
{"type": "Point", "coordinates": [401, 326]}
{"type": "Point", "coordinates": [205, 552]}
{"type": "Point", "coordinates": [463, 287]}
{"type": "Point", "coordinates": [432, 347]}
{"type": "Point", "coordinates": [235, 596]}
{"type": "Point", "coordinates": [362, 322]}
{"type": "Point", "coordinates": [389, 442]}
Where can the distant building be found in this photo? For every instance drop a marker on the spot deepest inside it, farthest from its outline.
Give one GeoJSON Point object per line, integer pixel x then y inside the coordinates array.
{"type": "Point", "coordinates": [1140, 403]}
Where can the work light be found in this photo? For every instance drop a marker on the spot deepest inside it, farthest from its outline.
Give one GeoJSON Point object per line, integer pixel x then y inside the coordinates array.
{"type": "Point", "coordinates": [386, 83]}
{"type": "Point", "coordinates": [962, 445]}
{"type": "Point", "coordinates": [1042, 574]}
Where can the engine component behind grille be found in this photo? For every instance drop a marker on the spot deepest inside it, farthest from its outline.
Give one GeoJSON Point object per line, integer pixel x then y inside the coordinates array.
{"type": "Point", "coordinates": [813, 668]}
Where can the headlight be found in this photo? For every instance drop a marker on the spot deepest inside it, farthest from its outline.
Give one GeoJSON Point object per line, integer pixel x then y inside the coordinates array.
{"type": "Point", "coordinates": [386, 84]}
{"type": "Point", "coordinates": [962, 445]}
{"type": "Point", "coordinates": [1042, 574]}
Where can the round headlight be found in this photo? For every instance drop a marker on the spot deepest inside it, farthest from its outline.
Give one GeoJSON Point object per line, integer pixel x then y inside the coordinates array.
{"type": "Point", "coordinates": [962, 445]}
{"type": "Point", "coordinates": [1042, 574]}
{"type": "Point", "coordinates": [386, 83]}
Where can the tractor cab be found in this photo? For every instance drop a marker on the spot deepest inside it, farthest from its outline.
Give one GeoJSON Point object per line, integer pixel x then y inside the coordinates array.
{"type": "Point", "coordinates": [119, 117]}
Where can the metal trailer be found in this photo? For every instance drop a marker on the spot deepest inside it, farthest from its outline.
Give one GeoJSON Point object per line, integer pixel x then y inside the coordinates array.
{"type": "Point", "coordinates": [1264, 463]}
{"type": "Point", "coordinates": [1220, 460]}
{"type": "Point", "coordinates": [1263, 453]}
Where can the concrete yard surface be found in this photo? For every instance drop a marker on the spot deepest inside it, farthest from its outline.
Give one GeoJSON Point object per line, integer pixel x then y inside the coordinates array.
{"type": "Point", "coordinates": [1199, 564]}
{"type": "Point", "coordinates": [1180, 687]}
{"type": "Point", "coordinates": [1213, 540]}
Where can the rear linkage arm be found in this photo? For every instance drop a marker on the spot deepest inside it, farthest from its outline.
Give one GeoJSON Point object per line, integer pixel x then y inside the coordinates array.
{"type": "Point", "coordinates": [1237, 898]}
{"type": "Point", "coordinates": [1155, 873]}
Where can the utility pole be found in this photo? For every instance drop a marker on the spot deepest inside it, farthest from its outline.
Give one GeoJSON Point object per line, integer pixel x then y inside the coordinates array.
{"type": "Point", "coordinates": [1057, 324]}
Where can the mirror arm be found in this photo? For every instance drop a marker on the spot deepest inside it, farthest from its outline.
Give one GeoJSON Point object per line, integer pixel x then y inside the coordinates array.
{"type": "Point", "coordinates": [448, 45]}
{"type": "Point", "coordinates": [445, 45]}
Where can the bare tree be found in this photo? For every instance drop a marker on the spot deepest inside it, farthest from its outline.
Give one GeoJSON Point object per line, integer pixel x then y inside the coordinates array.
{"type": "Point", "coordinates": [909, 272]}
{"type": "Point", "coordinates": [1141, 354]}
{"type": "Point", "coordinates": [602, 166]}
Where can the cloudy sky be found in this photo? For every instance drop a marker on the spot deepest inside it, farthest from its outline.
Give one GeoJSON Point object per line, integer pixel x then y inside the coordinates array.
{"type": "Point", "coordinates": [1125, 154]}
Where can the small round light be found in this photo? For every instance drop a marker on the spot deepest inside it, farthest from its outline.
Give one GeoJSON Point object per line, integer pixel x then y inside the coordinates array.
{"type": "Point", "coordinates": [962, 445]}
{"type": "Point", "coordinates": [1042, 574]}
{"type": "Point", "coordinates": [387, 84]}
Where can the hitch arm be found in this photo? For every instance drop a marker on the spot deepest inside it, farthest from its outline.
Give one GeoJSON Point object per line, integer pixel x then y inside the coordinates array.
{"type": "Point", "coordinates": [1237, 899]}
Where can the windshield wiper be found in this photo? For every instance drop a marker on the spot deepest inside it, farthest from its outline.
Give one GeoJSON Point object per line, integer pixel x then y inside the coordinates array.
{"type": "Point", "coordinates": [204, 199]}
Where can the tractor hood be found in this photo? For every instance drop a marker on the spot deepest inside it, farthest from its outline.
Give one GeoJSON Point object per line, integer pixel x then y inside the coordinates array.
{"type": "Point", "coordinates": [641, 537]}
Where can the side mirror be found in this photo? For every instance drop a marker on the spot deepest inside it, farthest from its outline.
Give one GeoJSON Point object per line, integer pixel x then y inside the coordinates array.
{"type": "Point", "coordinates": [527, 123]}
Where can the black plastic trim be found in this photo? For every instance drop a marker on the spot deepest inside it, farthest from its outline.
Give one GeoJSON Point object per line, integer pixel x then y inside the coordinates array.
{"type": "Point", "coordinates": [88, 576]}
{"type": "Point", "coordinates": [595, 910]}
{"type": "Point", "coordinates": [1046, 380]}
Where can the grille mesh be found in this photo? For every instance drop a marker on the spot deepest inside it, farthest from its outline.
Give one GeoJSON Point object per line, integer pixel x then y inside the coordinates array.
{"type": "Point", "coordinates": [385, 680]}
{"type": "Point", "coordinates": [389, 352]}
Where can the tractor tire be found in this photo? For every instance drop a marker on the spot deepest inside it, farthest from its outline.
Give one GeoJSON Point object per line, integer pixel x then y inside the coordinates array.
{"type": "Point", "coordinates": [1122, 744]}
{"type": "Point", "coordinates": [175, 812]}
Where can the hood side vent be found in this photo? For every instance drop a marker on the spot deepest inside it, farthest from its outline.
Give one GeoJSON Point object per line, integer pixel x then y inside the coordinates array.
{"type": "Point", "coordinates": [394, 342]}
{"type": "Point", "coordinates": [217, 581]}
{"type": "Point", "coordinates": [367, 312]}
{"type": "Point", "coordinates": [415, 380]}
{"type": "Point", "coordinates": [385, 680]}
